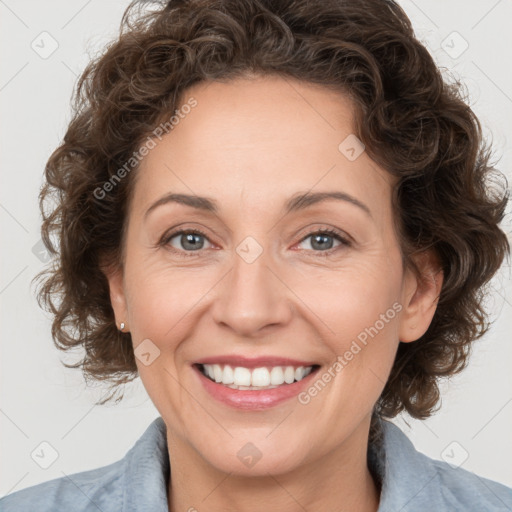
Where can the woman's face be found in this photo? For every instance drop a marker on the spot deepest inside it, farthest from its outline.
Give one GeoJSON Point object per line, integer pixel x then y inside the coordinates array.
{"type": "Point", "coordinates": [263, 280]}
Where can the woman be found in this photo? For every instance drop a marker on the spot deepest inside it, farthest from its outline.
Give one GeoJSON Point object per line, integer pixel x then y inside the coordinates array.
{"type": "Point", "coordinates": [277, 214]}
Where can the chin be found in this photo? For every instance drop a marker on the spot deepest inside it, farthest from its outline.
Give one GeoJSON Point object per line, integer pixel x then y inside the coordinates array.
{"type": "Point", "coordinates": [242, 457]}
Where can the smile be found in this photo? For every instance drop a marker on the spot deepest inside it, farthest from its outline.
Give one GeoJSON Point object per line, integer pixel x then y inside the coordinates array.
{"type": "Point", "coordinates": [239, 377]}
{"type": "Point", "coordinates": [256, 388]}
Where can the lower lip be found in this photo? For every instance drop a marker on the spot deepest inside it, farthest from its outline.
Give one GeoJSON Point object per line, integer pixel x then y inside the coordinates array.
{"type": "Point", "coordinates": [253, 399]}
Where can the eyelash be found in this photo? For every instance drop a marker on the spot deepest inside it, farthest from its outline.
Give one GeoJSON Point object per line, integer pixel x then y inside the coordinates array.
{"type": "Point", "coordinates": [186, 254]}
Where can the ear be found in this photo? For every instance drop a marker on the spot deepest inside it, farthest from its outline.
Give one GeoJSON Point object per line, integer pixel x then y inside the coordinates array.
{"type": "Point", "coordinates": [114, 275]}
{"type": "Point", "coordinates": [420, 296]}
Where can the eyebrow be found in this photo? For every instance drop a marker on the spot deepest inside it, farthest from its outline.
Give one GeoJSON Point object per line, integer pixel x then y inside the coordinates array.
{"type": "Point", "coordinates": [301, 201]}
{"type": "Point", "coordinates": [298, 202]}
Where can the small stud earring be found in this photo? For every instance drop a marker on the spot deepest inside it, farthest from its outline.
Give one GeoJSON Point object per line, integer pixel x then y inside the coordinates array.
{"type": "Point", "coordinates": [122, 326]}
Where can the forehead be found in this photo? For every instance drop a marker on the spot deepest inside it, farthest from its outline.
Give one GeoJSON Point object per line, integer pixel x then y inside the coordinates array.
{"type": "Point", "coordinates": [258, 141]}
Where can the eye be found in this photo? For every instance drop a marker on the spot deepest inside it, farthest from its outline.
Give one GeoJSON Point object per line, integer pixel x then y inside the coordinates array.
{"type": "Point", "coordinates": [322, 241]}
{"type": "Point", "coordinates": [185, 241]}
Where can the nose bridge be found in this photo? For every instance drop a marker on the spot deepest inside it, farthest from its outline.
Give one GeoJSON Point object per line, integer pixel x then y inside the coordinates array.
{"type": "Point", "coordinates": [251, 297]}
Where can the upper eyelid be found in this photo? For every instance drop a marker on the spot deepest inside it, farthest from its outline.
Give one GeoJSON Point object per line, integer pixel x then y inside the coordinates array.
{"type": "Point", "coordinates": [331, 231]}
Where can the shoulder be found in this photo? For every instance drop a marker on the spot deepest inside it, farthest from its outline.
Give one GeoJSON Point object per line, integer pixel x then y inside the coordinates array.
{"type": "Point", "coordinates": [80, 492]}
{"type": "Point", "coordinates": [412, 481]}
{"type": "Point", "coordinates": [469, 490]}
{"type": "Point", "coordinates": [110, 488]}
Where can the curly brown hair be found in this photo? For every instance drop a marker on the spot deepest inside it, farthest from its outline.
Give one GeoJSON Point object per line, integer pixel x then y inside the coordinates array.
{"type": "Point", "coordinates": [413, 122]}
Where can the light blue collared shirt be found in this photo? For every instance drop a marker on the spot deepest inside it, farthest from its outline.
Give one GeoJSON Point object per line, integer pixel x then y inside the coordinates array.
{"type": "Point", "coordinates": [411, 482]}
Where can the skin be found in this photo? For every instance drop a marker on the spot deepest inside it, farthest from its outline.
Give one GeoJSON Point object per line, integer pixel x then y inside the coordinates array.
{"type": "Point", "coordinates": [250, 144]}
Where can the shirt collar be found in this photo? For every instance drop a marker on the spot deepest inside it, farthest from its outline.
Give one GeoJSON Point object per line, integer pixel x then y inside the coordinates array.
{"type": "Point", "coordinates": [408, 481]}
{"type": "Point", "coordinates": [147, 471]}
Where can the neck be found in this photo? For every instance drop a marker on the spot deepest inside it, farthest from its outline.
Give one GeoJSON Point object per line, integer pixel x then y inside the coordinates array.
{"type": "Point", "coordinates": [338, 480]}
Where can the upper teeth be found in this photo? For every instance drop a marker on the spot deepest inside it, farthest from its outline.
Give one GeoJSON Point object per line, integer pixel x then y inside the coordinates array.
{"type": "Point", "coordinates": [260, 377]}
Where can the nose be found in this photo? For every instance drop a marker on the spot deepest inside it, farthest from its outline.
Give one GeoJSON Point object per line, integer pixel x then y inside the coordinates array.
{"type": "Point", "coordinates": [251, 298]}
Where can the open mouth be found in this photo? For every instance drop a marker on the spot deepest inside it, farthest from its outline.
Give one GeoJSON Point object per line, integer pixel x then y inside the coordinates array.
{"type": "Point", "coordinates": [265, 377]}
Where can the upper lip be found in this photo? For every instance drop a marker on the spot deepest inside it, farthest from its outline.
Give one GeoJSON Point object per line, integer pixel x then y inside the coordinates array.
{"type": "Point", "coordinates": [253, 362]}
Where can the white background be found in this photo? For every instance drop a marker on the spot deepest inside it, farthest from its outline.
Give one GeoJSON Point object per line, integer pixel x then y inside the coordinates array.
{"type": "Point", "coordinates": [40, 400]}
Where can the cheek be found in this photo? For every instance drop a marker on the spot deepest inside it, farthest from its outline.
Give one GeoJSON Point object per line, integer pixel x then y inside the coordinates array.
{"type": "Point", "coordinates": [362, 336]}
{"type": "Point", "coordinates": [354, 296]}
{"type": "Point", "coordinates": [163, 300]}
{"type": "Point", "coordinates": [358, 312]}
{"type": "Point", "coordinates": [363, 327]}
